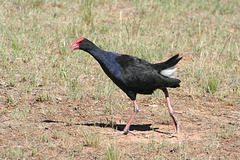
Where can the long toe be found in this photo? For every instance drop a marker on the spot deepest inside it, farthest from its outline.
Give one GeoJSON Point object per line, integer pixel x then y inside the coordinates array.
{"type": "Point", "coordinates": [177, 112]}
{"type": "Point", "coordinates": [116, 133]}
{"type": "Point", "coordinates": [172, 134]}
{"type": "Point", "coordinates": [176, 124]}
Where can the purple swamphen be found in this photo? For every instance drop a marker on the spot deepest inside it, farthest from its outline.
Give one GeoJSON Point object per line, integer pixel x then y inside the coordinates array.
{"type": "Point", "coordinates": [134, 75]}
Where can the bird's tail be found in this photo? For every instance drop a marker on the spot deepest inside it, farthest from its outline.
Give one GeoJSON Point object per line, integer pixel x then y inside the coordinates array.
{"type": "Point", "coordinates": [169, 72]}
{"type": "Point", "coordinates": [169, 68]}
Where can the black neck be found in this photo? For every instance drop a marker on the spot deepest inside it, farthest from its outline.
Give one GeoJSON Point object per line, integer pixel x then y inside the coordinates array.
{"type": "Point", "coordinates": [95, 51]}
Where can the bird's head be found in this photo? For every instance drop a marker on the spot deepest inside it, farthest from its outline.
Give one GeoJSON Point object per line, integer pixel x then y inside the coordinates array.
{"type": "Point", "coordinates": [81, 43]}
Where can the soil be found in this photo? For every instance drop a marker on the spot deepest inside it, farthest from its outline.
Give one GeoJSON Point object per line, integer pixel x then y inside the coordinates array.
{"type": "Point", "coordinates": [33, 129]}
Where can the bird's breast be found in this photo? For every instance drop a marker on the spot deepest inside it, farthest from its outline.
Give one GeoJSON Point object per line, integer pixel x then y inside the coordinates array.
{"type": "Point", "coordinates": [112, 68]}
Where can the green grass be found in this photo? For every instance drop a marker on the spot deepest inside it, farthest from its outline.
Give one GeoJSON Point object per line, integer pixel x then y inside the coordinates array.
{"type": "Point", "coordinates": [204, 32]}
{"type": "Point", "coordinates": [21, 112]}
{"type": "Point", "coordinates": [113, 152]}
{"type": "Point", "coordinates": [91, 139]}
{"type": "Point", "coordinates": [44, 97]}
{"type": "Point", "coordinates": [212, 84]}
{"type": "Point", "coordinates": [229, 130]}
{"type": "Point", "coordinates": [11, 101]}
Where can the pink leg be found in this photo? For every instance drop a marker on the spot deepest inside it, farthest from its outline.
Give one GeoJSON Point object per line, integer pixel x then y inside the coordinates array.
{"type": "Point", "coordinates": [171, 111]}
{"type": "Point", "coordinates": [136, 110]}
{"type": "Point", "coordinates": [126, 129]}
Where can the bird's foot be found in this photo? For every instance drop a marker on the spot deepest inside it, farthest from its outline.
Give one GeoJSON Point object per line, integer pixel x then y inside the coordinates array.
{"type": "Point", "coordinates": [177, 112]}
{"type": "Point", "coordinates": [176, 128]}
{"type": "Point", "coordinates": [176, 123]}
{"type": "Point", "coordinates": [172, 135]}
{"type": "Point", "coordinates": [127, 131]}
{"type": "Point", "coordinates": [116, 133]}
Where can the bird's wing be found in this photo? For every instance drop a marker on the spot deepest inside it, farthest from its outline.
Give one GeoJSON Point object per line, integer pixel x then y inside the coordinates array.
{"type": "Point", "coordinates": [141, 76]}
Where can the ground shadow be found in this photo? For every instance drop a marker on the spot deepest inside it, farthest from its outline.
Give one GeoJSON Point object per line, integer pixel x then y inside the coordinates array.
{"type": "Point", "coordinates": [52, 121]}
{"type": "Point", "coordinates": [119, 127]}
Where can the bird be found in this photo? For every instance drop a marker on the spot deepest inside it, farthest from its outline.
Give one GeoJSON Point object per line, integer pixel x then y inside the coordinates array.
{"type": "Point", "coordinates": [134, 75]}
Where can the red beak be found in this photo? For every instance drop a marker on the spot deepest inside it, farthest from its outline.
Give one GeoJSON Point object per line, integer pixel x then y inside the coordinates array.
{"type": "Point", "coordinates": [74, 47]}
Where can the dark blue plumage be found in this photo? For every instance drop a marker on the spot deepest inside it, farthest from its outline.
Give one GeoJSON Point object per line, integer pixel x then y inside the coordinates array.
{"type": "Point", "coordinates": [134, 75]}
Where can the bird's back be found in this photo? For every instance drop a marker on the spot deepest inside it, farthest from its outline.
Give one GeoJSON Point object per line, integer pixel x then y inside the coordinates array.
{"type": "Point", "coordinates": [142, 76]}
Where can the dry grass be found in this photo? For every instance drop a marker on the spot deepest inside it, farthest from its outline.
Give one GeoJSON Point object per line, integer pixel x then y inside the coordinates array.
{"type": "Point", "coordinates": [46, 91]}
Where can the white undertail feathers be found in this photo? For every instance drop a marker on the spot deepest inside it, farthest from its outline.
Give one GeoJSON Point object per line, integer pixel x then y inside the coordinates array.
{"type": "Point", "coordinates": [169, 72]}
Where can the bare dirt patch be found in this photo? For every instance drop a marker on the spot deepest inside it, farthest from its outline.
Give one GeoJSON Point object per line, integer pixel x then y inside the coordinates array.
{"type": "Point", "coordinates": [54, 129]}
